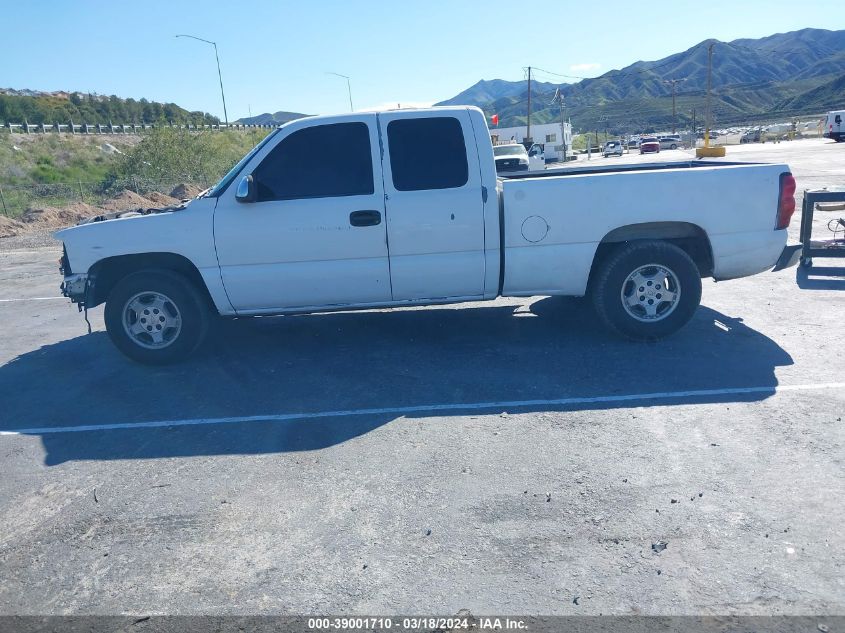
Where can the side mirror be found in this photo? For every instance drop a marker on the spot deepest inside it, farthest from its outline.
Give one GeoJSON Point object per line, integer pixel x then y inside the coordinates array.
{"type": "Point", "coordinates": [246, 190]}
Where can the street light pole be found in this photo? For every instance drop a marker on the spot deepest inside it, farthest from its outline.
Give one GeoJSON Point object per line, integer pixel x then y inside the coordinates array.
{"type": "Point", "coordinates": [219, 74]}
{"type": "Point", "coordinates": [348, 87]}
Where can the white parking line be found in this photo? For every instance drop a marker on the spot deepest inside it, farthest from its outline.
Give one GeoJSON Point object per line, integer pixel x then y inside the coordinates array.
{"type": "Point", "coordinates": [428, 408]}
{"type": "Point", "coordinates": [31, 299]}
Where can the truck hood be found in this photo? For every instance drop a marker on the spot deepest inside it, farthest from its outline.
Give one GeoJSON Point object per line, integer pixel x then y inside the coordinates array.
{"type": "Point", "coordinates": [186, 230]}
{"type": "Point", "coordinates": [125, 214]}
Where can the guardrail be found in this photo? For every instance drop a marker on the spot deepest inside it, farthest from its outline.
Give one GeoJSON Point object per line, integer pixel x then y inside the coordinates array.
{"type": "Point", "coordinates": [135, 128]}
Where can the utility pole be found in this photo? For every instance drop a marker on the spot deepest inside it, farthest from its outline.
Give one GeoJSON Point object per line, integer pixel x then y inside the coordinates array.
{"type": "Point", "coordinates": [673, 82]}
{"type": "Point", "coordinates": [694, 130]}
{"type": "Point", "coordinates": [528, 132]}
{"type": "Point", "coordinates": [709, 87]}
{"type": "Point", "coordinates": [707, 151]}
{"type": "Point", "coordinates": [562, 103]}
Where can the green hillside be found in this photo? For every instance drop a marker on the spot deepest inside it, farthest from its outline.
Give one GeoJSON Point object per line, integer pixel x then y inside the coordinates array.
{"type": "Point", "coordinates": [93, 109]}
{"type": "Point", "coordinates": [828, 96]}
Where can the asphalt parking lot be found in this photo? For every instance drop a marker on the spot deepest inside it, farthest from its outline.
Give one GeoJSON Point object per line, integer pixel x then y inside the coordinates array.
{"type": "Point", "coordinates": [508, 457]}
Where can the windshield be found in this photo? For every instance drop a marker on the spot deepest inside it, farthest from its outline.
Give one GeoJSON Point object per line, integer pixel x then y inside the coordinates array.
{"type": "Point", "coordinates": [220, 187]}
{"type": "Point", "coordinates": [650, 140]}
{"type": "Point", "coordinates": [509, 150]}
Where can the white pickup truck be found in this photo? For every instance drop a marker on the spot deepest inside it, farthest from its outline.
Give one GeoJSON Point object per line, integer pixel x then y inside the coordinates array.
{"type": "Point", "coordinates": [407, 210]}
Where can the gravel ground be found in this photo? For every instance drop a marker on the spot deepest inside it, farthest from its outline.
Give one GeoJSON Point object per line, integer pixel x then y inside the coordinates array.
{"type": "Point", "coordinates": [32, 240]}
{"type": "Point", "coordinates": [544, 508]}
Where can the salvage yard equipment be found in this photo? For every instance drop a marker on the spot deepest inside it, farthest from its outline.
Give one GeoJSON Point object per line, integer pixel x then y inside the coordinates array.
{"type": "Point", "coordinates": [834, 247]}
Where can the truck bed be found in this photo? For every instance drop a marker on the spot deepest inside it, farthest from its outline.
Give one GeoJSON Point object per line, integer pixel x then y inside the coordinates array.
{"type": "Point", "coordinates": [601, 169]}
{"type": "Point", "coordinates": [554, 221]}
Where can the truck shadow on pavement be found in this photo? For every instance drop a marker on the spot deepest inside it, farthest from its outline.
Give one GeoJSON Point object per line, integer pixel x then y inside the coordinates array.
{"type": "Point", "coordinates": [550, 349]}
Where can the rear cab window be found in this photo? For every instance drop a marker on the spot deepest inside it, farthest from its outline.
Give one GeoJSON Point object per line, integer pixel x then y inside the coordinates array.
{"type": "Point", "coordinates": [427, 153]}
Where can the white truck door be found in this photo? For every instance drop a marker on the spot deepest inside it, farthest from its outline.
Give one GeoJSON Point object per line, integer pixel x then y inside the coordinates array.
{"type": "Point", "coordinates": [536, 157]}
{"type": "Point", "coordinates": [434, 205]}
{"type": "Point", "coordinates": [315, 236]}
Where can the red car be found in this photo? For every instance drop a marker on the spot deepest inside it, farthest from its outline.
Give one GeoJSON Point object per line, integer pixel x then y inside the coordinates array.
{"type": "Point", "coordinates": [649, 144]}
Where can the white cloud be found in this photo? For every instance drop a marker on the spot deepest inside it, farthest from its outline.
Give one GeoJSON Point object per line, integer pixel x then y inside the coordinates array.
{"type": "Point", "coordinates": [580, 68]}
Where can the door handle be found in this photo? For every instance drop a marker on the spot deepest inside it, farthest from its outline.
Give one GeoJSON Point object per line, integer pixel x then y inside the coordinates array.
{"type": "Point", "coordinates": [365, 218]}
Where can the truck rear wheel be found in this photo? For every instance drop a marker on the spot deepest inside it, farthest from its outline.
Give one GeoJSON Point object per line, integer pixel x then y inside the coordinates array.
{"type": "Point", "coordinates": [647, 290]}
{"type": "Point", "coordinates": [156, 317]}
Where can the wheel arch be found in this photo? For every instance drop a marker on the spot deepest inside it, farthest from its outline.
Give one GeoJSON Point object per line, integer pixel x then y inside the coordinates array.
{"type": "Point", "coordinates": [110, 270]}
{"type": "Point", "coordinates": [689, 237]}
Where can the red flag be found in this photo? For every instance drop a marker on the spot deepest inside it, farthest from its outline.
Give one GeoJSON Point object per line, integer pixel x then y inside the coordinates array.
{"type": "Point", "coordinates": [495, 119]}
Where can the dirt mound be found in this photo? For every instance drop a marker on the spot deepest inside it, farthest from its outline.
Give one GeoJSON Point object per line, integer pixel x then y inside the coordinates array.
{"type": "Point", "coordinates": [9, 227]}
{"type": "Point", "coordinates": [185, 191]}
{"type": "Point", "coordinates": [127, 200]}
{"type": "Point", "coordinates": [161, 200]}
{"type": "Point", "coordinates": [53, 217]}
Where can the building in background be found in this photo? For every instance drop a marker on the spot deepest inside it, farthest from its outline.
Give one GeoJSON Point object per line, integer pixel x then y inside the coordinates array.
{"type": "Point", "coordinates": [546, 134]}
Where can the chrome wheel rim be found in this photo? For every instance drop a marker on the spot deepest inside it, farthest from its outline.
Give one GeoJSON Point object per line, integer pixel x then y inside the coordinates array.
{"type": "Point", "coordinates": [152, 320]}
{"type": "Point", "coordinates": [651, 293]}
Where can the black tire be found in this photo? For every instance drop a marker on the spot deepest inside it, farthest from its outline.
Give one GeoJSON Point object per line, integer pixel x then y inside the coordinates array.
{"type": "Point", "coordinates": [608, 285]}
{"type": "Point", "coordinates": [185, 302]}
{"type": "Point", "coordinates": [673, 146]}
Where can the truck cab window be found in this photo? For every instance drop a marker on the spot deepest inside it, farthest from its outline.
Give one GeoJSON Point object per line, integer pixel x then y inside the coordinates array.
{"type": "Point", "coordinates": [427, 153]}
{"type": "Point", "coordinates": [322, 161]}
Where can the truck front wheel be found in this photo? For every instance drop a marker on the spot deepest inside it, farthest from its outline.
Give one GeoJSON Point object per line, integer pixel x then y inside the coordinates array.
{"type": "Point", "coordinates": [155, 317]}
{"type": "Point", "coordinates": [647, 290]}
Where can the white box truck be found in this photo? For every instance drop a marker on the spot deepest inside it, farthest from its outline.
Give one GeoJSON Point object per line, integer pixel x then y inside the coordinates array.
{"type": "Point", "coordinates": [833, 126]}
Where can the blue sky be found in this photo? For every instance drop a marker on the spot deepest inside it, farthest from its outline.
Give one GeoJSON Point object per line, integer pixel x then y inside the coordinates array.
{"type": "Point", "coordinates": [275, 55]}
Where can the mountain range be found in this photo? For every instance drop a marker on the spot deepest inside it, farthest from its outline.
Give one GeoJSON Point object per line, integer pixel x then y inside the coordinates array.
{"type": "Point", "coordinates": [275, 118]}
{"type": "Point", "coordinates": [779, 76]}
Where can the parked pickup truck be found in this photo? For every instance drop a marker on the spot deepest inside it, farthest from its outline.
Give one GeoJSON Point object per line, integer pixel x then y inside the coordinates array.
{"type": "Point", "coordinates": [407, 210]}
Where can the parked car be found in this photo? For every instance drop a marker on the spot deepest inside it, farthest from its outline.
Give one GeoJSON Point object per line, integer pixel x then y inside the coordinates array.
{"type": "Point", "coordinates": [669, 142]}
{"type": "Point", "coordinates": [833, 127]}
{"type": "Point", "coordinates": [385, 220]}
{"type": "Point", "coordinates": [751, 136]}
{"type": "Point", "coordinates": [633, 143]}
{"type": "Point", "coordinates": [612, 148]}
{"type": "Point", "coordinates": [649, 144]}
{"type": "Point", "coordinates": [510, 157]}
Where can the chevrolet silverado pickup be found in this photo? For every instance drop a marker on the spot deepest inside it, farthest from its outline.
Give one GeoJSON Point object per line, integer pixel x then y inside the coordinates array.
{"type": "Point", "coordinates": [407, 210]}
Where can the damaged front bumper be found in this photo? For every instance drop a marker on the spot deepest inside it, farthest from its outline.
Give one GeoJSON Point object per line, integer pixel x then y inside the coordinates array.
{"type": "Point", "coordinates": [75, 287]}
